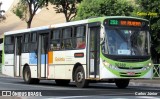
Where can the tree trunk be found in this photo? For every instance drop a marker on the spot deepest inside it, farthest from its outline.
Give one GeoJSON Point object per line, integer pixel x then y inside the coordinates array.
{"type": "Point", "coordinates": [29, 22]}
{"type": "Point", "coordinates": [67, 19]}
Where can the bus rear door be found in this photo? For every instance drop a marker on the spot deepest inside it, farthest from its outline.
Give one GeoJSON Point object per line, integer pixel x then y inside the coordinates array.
{"type": "Point", "coordinates": [17, 55]}
{"type": "Point", "coordinates": [43, 54]}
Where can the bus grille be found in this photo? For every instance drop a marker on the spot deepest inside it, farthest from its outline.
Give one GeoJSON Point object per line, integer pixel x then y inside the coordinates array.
{"type": "Point", "coordinates": [122, 74]}
{"type": "Point", "coordinates": [130, 60]}
{"type": "Point", "coordinates": [130, 68]}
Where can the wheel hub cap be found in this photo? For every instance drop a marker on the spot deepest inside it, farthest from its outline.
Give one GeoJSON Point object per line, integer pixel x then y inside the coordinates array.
{"type": "Point", "coordinates": [27, 76]}
{"type": "Point", "coordinates": [79, 76]}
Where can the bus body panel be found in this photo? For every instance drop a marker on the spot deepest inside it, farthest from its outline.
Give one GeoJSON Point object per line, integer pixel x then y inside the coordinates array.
{"type": "Point", "coordinates": [8, 68]}
{"type": "Point", "coordinates": [67, 57]}
{"type": "Point", "coordinates": [25, 58]}
{"type": "Point", "coordinates": [30, 60]}
{"type": "Point", "coordinates": [108, 69]}
{"type": "Point", "coordinates": [9, 59]}
{"type": "Point", "coordinates": [62, 63]}
{"type": "Point", "coordinates": [61, 71]}
{"type": "Point", "coordinates": [107, 74]}
{"type": "Point", "coordinates": [33, 71]}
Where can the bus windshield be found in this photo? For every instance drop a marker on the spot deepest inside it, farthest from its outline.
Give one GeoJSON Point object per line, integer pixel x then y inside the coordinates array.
{"type": "Point", "coordinates": [130, 41]}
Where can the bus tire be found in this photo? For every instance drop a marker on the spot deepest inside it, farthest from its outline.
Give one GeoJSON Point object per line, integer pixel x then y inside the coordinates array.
{"type": "Point", "coordinates": [27, 76]}
{"type": "Point", "coordinates": [62, 82]}
{"type": "Point", "coordinates": [122, 83]}
{"type": "Point", "coordinates": [79, 78]}
{"type": "Point", "coordinates": [36, 80]}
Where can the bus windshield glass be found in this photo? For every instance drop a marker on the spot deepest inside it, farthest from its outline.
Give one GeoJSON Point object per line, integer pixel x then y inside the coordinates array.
{"type": "Point", "coordinates": [129, 41]}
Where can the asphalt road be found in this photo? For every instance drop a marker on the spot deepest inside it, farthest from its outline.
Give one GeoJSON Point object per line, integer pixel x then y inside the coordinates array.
{"type": "Point", "coordinates": [49, 90]}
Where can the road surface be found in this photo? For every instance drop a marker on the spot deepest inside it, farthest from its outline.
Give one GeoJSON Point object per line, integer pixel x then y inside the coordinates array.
{"type": "Point", "coordinates": [47, 89]}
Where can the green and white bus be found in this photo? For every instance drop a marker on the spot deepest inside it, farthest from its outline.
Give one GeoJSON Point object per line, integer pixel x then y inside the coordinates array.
{"type": "Point", "coordinates": [111, 49]}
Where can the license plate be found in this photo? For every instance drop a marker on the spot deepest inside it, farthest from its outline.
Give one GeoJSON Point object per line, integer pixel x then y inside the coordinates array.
{"type": "Point", "coordinates": [131, 73]}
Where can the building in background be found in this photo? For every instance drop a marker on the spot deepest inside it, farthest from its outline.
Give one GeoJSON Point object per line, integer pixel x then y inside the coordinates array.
{"type": "Point", "coordinates": [45, 16]}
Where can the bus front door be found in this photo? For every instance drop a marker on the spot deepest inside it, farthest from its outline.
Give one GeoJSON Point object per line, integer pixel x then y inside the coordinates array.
{"type": "Point", "coordinates": [93, 50]}
{"type": "Point", "coordinates": [17, 55]}
{"type": "Point", "coordinates": [42, 55]}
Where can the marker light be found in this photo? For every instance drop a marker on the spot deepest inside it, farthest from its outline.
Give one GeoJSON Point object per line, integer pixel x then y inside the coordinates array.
{"type": "Point", "coordinates": [150, 64]}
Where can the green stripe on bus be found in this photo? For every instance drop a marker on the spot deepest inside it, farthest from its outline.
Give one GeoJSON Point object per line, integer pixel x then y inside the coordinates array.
{"type": "Point", "coordinates": [2, 56]}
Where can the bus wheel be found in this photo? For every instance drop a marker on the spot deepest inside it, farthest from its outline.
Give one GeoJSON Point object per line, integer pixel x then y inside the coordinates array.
{"type": "Point", "coordinates": [62, 82]}
{"type": "Point", "coordinates": [122, 83]}
{"type": "Point", "coordinates": [27, 76]}
{"type": "Point", "coordinates": [36, 80]}
{"type": "Point", "coordinates": [79, 77]}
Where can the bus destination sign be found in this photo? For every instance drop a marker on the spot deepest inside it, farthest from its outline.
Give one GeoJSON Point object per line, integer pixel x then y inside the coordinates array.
{"type": "Point", "coordinates": [131, 23]}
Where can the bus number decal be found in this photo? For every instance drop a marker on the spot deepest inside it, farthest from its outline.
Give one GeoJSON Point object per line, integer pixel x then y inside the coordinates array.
{"type": "Point", "coordinates": [120, 64]}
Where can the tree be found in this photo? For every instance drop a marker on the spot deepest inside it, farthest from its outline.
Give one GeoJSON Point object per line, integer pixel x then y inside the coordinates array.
{"type": "Point", "coordinates": [150, 10]}
{"type": "Point", "coordinates": [96, 8]}
{"type": "Point", "coordinates": [2, 17]}
{"type": "Point", "coordinates": [67, 7]}
{"type": "Point", "coordinates": [26, 9]}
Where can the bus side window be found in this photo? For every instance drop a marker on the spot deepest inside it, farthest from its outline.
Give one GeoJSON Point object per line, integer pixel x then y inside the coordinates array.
{"type": "Point", "coordinates": [55, 40]}
{"type": "Point", "coordinates": [80, 37]}
{"type": "Point", "coordinates": [9, 44]}
{"type": "Point", "coordinates": [67, 38]}
{"type": "Point", "coordinates": [26, 43]}
{"type": "Point", "coordinates": [33, 42]}
{"type": "Point", "coordinates": [33, 37]}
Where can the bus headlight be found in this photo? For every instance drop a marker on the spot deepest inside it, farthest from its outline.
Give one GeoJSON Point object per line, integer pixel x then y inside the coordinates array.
{"type": "Point", "coordinates": [150, 64]}
{"type": "Point", "coordinates": [109, 65]}
{"type": "Point", "coordinates": [145, 68]}
{"type": "Point", "coordinates": [105, 63]}
{"type": "Point", "coordinates": [112, 66]}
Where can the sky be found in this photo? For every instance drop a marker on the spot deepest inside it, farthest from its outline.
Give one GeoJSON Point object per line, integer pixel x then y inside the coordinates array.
{"type": "Point", "coordinates": [6, 4]}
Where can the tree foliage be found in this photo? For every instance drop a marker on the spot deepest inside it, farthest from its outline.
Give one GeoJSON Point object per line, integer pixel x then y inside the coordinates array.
{"type": "Point", "coordinates": [67, 7]}
{"type": "Point", "coordinates": [26, 9]}
{"type": "Point", "coordinates": [96, 8]}
{"type": "Point", "coordinates": [151, 10]}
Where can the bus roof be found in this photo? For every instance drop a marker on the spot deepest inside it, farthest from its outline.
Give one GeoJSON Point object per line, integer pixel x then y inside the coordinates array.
{"type": "Point", "coordinates": [27, 30]}
{"type": "Point", "coordinates": [98, 19]}
{"type": "Point", "coordinates": [69, 23]}
{"type": "Point", "coordinates": [112, 17]}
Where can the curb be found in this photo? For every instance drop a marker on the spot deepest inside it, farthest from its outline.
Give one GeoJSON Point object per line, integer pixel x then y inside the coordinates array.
{"type": "Point", "coordinates": [144, 84]}
{"type": "Point", "coordinates": [3, 75]}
